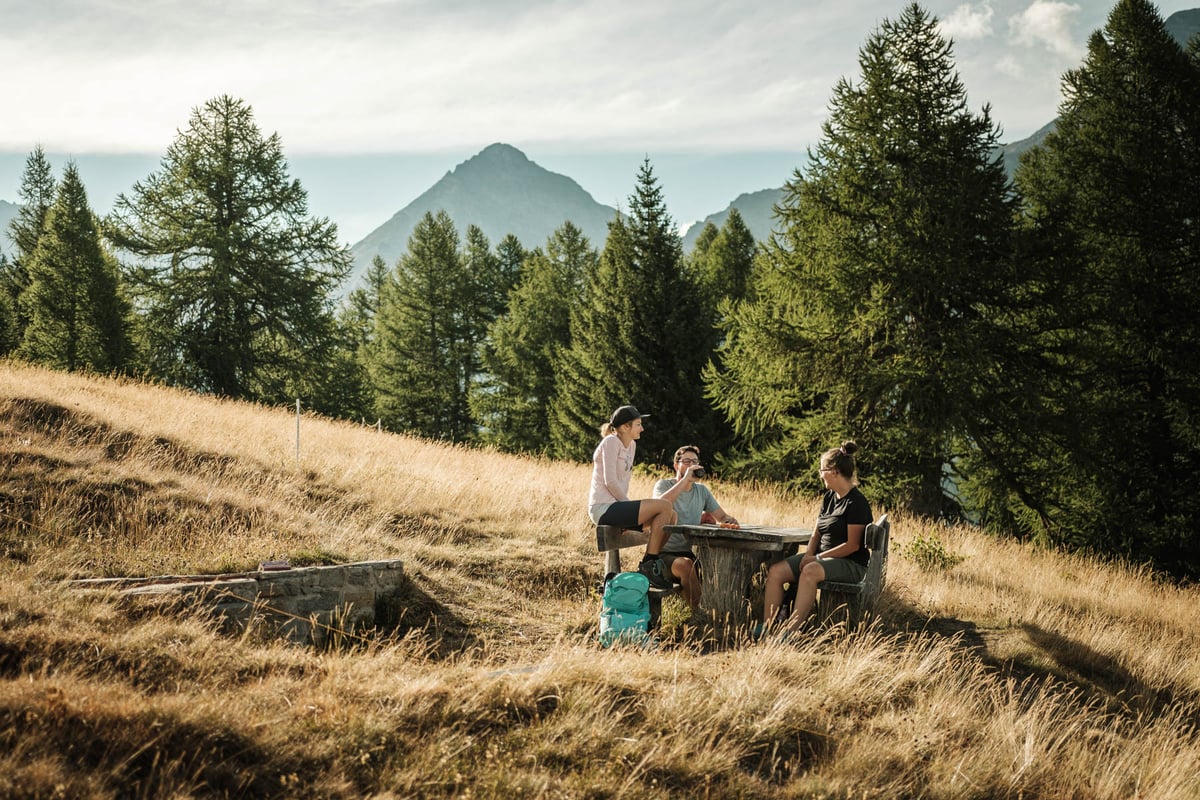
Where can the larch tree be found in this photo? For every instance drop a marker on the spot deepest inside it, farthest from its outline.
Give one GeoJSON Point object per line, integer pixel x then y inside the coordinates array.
{"type": "Point", "coordinates": [234, 279]}
{"type": "Point", "coordinates": [1113, 194]}
{"type": "Point", "coordinates": [77, 313]}
{"type": "Point", "coordinates": [36, 194]}
{"type": "Point", "coordinates": [723, 259]}
{"type": "Point", "coordinates": [878, 307]}
{"type": "Point", "coordinates": [423, 356]}
{"type": "Point", "coordinates": [8, 314]}
{"type": "Point", "coordinates": [515, 397]}
{"type": "Point", "coordinates": [356, 336]}
{"type": "Point", "coordinates": [638, 335]}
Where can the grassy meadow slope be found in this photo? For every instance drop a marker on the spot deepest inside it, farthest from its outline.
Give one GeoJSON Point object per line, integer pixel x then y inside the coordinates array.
{"type": "Point", "coordinates": [1010, 673]}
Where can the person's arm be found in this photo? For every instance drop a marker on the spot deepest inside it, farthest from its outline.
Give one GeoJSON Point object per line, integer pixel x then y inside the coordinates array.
{"type": "Point", "coordinates": [714, 508]}
{"type": "Point", "coordinates": [609, 467]}
{"type": "Point", "coordinates": [681, 486]}
{"type": "Point", "coordinates": [720, 516]}
{"type": "Point", "coordinates": [814, 542]}
{"type": "Point", "coordinates": [854, 540]}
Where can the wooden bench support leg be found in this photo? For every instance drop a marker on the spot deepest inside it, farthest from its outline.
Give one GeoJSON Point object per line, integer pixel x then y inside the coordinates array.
{"type": "Point", "coordinates": [655, 610]}
{"type": "Point", "coordinates": [612, 561]}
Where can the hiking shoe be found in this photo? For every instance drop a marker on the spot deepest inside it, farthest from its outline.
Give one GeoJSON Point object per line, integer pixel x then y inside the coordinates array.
{"type": "Point", "coordinates": [656, 571]}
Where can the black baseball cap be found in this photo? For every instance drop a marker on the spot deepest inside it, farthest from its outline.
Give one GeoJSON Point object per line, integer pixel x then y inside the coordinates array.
{"type": "Point", "coordinates": [625, 414]}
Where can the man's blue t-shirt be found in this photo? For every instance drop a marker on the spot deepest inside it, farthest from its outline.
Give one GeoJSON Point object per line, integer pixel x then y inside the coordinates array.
{"type": "Point", "coordinates": [689, 506]}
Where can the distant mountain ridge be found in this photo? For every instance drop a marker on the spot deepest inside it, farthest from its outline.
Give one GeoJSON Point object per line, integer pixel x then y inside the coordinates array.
{"type": "Point", "coordinates": [499, 190]}
{"type": "Point", "coordinates": [757, 210]}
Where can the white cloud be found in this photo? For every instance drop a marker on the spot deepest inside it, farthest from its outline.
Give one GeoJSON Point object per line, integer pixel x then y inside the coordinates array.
{"type": "Point", "coordinates": [1047, 23]}
{"type": "Point", "coordinates": [967, 22]}
{"type": "Point", "coordinates": [1010, 66]}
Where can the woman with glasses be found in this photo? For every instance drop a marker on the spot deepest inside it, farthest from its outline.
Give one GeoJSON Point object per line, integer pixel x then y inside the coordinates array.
{"type": "Point", "coordinates": [835, 551]}
{"type": "Point", "coordinates": [691, 500]}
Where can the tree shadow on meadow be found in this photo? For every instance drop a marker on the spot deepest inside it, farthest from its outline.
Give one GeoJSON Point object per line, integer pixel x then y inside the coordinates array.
{"type": "Point", "coordinates": [1098, 677]}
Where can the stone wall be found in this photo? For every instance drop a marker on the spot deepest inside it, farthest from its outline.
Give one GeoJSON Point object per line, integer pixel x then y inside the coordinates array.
{"type": "Point", "coordinates": [305, 605]}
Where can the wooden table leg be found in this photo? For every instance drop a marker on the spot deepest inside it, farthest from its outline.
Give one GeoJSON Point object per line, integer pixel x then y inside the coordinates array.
{"type": "Point", "coordinates": [725, 579]}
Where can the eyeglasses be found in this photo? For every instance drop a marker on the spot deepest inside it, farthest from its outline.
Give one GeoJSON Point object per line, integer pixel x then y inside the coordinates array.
{"type": "Point", "coordinates": [689, 461]}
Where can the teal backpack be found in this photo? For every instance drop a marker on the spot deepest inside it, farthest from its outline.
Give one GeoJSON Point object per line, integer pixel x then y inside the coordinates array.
{"type": "Point", "coordinates": [625, 609]}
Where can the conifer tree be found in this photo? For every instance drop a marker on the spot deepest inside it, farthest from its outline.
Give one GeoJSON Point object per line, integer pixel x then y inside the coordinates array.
{"type": "Point", "coordinates": [36, 193]}
{"type": "Point", "coordinates": [877, 307]}
{"type": "Point", "coordinates": [723, 259]}
{"type": "Point", "coordinates": [722, 263]}
{"type": "Point", "coordinates": [422, 357]}
{"type": "Point", "coordinates": [510, 256]}
{"type": "Point", "coordinates": [76, 311]}
{"type": "Point", "coordinates": [639, 335]}
{"type": "Point", "coordinates": [514, 399]}
{"type": "Point", "coordinates": [362, 304]}
{"type": "Point", "coordinates": [8, 316]}
{"type": "Point", "coordinates": [235, 277]}
{"type": "Point", "coordinates": [483, 294]}
{"type": "Point", "coordinates": [356, 336]}
{"type": "Point", "coordinates": [1113, 194]}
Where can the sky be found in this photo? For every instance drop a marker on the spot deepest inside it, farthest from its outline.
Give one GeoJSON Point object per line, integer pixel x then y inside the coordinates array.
{"type": "Point", "coordinates": [374, 100]}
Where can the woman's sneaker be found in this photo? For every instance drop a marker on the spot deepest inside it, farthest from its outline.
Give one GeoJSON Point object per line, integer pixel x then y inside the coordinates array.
{"type": "Point", "coordinates": [656, 571]}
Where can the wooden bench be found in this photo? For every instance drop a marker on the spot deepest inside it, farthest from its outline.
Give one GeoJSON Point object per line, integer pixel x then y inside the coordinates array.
{"type": "Point", "coordinates": [611, 540]}
{"type": "Point", "coordinates": [848, 602]}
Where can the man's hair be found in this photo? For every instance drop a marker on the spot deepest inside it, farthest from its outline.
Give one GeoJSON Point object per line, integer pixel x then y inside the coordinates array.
{"type": "Point", "coordinates": [687, 448]}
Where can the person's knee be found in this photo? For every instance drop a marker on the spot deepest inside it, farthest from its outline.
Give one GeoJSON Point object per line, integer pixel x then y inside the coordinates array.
{"type": "Point", "coordinates": [812, 572]}
{"type": "Point", "coordinates": [780, 572]}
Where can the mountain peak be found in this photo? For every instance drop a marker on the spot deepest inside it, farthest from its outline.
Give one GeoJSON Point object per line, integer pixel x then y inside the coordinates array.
{"type": "Point", "coordinates": [501, 152]}
{"type": "Point", "coordinates": [501, 191]}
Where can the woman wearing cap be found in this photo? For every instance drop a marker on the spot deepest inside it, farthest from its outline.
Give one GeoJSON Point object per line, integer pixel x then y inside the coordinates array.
{"type": "Point", "coordinates": [835, 551]}
{"type": "Point", "coordinates": [608, 499]}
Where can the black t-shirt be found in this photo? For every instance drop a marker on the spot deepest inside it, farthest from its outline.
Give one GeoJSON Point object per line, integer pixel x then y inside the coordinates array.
{"type": "Point", "coordinates": [837, 513]}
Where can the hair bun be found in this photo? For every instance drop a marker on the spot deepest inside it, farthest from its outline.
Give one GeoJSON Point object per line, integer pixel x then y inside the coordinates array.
{"type": "Point", "coordinates": [849, 448]}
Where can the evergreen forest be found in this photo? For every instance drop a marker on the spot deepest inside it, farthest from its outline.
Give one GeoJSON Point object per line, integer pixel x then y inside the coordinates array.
{"type": "Point", "coordinates": [1018, 353]}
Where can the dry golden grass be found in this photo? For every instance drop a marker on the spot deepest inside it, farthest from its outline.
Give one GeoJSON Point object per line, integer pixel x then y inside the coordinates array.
{"type": "Point", "coordinates": [1014, 673]}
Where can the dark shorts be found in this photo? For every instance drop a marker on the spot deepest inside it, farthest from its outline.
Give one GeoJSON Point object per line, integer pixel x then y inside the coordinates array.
{"type": "Point", "coordinates": [840, 570]}
{"type": "Point", "coordinates": [623, 514]}
{"type": "Point", "coordinates": [669, 557]}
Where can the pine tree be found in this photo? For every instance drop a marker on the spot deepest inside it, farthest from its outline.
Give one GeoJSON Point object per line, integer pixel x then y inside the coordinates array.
{"type": "Point", "coordinates": [356, 336]}
{"type": "Point", "coordinates": [639, 335]}
{"type": "Point", "coordinates": [722, 263]}
{"type": "Point", "coordinates": [723, 259]}
{"type": "Point", "coordinates": [422, 356]}
{"type": "Point", "coordinates": [36, 194]}
{"type": "Point", "coordinates": [1113, 193]}
{"type": "Point", "coordinates": [510, 257]}
{"type": "Point", "coordinates": [8, 315]}
{"type": "Point", "coordinates": [878, 307]}
{"type": "Point", "coordinates": [235, 279]}
{"type": "Point", "coordinates": [76, 311]}
{"type": "Point", "coordinates": [514, 399]}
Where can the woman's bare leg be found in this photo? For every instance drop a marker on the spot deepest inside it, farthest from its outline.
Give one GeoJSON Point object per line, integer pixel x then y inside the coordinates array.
{"type": "Point", "coordinates": [806, 594]}
{"type": "Point", "coordinates": [779, 573]}
{"type": "Point", "coordinates": [657, 513]}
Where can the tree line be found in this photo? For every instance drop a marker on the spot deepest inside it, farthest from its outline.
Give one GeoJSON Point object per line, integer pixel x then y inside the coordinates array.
{"type": "Point", "coordinates": [1014, 352]}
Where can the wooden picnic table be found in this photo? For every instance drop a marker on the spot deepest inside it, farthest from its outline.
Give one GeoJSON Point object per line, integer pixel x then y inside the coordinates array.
{"type": "Point", "coordinates": [729, 557]}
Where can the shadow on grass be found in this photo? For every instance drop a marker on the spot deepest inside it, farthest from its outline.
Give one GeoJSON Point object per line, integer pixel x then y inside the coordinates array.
{"type": "Point", "coordinates": [415, 612]}
{"type": "Point", "coordinates": [1099, 678]}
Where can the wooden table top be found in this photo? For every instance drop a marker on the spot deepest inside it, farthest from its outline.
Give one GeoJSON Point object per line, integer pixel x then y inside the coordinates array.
{"type": "Point", "coordinates": [769, 536]}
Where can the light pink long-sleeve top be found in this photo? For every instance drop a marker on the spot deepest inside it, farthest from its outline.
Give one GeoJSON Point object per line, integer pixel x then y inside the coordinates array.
{"type": "Point", "coordinates": [612, 467]}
